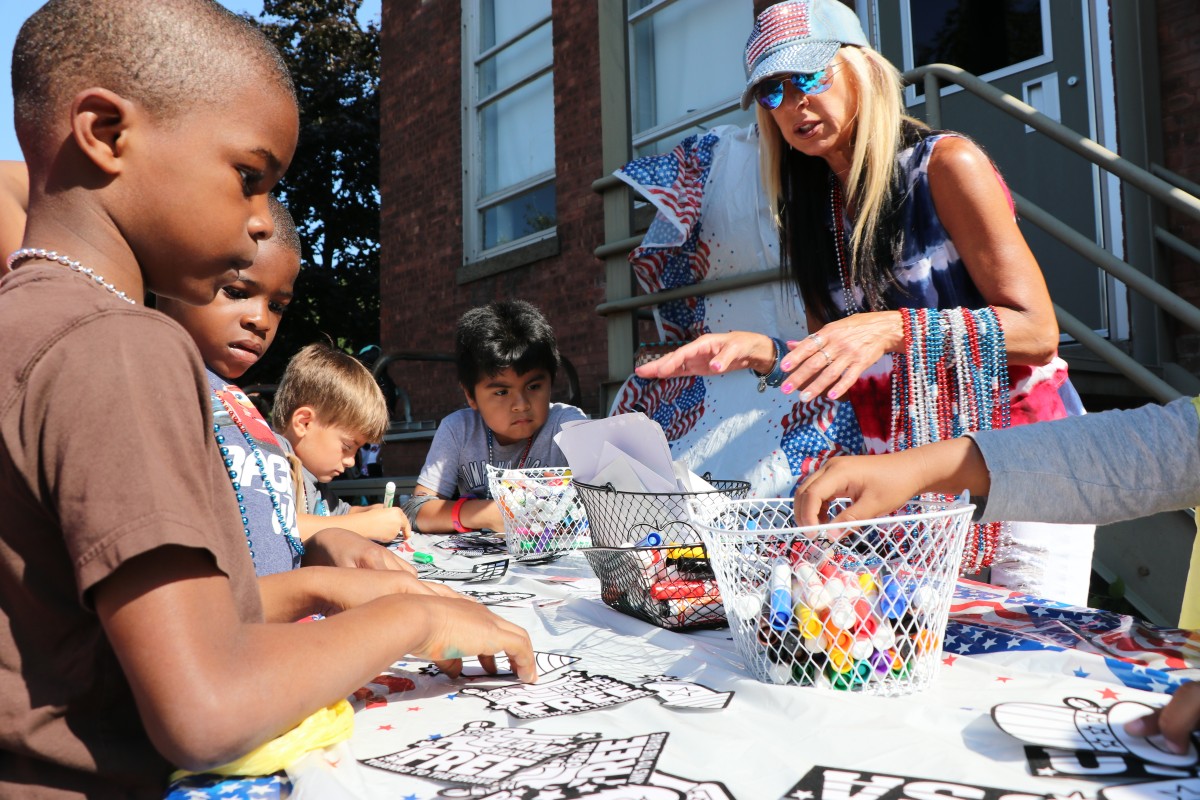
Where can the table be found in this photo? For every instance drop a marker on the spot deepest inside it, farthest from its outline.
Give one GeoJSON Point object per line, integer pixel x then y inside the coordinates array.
{"type": "Point", "coordinates": [1000, 648]}
{"type": "Point", "coordinates": [759, 740]}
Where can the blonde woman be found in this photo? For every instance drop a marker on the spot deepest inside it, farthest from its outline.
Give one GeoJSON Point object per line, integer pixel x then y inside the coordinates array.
{"type": "Point", "coordinates": [926, 308]}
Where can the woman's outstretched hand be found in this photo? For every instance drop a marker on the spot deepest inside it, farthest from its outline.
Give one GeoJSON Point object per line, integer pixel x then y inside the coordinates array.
{"type": "Point", "coordinates": [714, 354]}
{"type": "Point", "coordinates": [832, 359]}
{"type": "Point", "coordinates": [826, 362]}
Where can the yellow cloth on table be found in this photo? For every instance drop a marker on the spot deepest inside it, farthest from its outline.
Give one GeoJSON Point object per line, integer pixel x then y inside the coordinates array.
{"type": "Point", "coordinates": [1189, 615]}
{"type": "Point", "coordinates": [323, 728]}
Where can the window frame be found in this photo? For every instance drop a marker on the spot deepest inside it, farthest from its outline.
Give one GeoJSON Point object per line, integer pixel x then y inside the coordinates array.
{"type": "Point", "coordinates": [914, 94]}
{"type": "Point", "coordinates": [697, 119]}
{"type": "Point", "coordinates": [479, 261]}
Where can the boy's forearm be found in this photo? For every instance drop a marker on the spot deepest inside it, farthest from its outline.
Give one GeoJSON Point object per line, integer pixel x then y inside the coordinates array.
{"type": "Point", "coordinates": [172, 622]}
{"type": "Point", "coordinates": [436, 516]}
{"type": "Point", "coordinates": [308, 524]}
{"type": "Point", "coordinates": [288, 596]}
{"type": "Point", "coordinates": [949, 467]}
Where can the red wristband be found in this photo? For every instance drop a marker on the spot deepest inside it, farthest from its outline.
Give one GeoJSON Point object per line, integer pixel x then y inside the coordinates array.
{"type": "Point", "coordinates": [454, 518]}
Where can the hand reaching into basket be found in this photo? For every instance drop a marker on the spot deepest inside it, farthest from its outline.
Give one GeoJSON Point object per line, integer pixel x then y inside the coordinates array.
{"type": "Point", "coordinates": [878, 485]}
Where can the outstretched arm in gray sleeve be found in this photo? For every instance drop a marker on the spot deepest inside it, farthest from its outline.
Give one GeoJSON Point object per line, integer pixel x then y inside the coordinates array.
{"type": "Point", "coordinates": [1101, 468]}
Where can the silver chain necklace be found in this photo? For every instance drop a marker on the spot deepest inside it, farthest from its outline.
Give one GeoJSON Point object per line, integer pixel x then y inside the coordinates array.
{"type": "Point", "coordinates": [30, 253]}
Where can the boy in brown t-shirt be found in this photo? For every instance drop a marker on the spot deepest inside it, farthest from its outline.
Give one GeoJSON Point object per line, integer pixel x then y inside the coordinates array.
{"type": "Point", "coordinates": [132, 631]}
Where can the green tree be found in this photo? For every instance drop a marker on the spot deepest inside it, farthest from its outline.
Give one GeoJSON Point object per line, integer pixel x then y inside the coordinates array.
{"type": "Point", "coordinates": [332, 187]}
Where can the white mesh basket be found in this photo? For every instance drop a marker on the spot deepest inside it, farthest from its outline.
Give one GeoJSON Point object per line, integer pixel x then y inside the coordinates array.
{"type": "Point", "coordinates": [542, 514]}
{"type": "Point", "coordinates": [866, 612]}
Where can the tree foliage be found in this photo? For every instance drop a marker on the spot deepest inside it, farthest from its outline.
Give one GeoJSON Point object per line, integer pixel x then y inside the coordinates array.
{"type": "Point", "coordinates": [332, 187]}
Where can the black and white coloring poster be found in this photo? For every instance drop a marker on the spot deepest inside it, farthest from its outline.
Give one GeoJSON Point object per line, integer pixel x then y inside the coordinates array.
{"type": "Point", "coordinates": [572, 693]}
{"type": "Point", "coordinates": [480, 753]}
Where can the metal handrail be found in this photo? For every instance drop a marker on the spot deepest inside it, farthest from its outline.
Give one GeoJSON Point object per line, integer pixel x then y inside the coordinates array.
{"type": "Point", "coordinates": [1124, 363]}
{"type": "Point", "coordinates": [1155, 186]}
{"type": "Point", "coordinates": [1092, 151]}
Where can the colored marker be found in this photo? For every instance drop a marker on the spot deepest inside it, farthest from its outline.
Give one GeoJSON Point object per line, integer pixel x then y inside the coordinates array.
{"type": "Point", "coordinates": [781, 597]}
{"type": "Point", "coordinates": [389, 494]}
{"type": "Point", "coordinates": [652, 539]}
{"type": "Point", "coordinates": [422, 558]}
{"type": "Point", "coordinates": [684, 590]}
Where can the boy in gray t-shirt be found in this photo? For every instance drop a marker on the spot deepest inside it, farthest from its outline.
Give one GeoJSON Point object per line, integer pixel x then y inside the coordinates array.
{"type": "Point", "coordinates": [507, 359]}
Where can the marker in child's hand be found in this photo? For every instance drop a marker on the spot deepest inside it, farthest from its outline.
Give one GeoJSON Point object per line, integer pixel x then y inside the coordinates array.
{"type": "Point", "coordinates": [389, 494]}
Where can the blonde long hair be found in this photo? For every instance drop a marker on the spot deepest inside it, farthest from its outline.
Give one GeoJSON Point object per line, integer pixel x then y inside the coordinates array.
{"type": "Point", "coordinates": [869, 187]}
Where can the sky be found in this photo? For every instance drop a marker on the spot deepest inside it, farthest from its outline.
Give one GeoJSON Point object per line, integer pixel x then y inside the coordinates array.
{"type": "Point", "coordinates": [16, 12]}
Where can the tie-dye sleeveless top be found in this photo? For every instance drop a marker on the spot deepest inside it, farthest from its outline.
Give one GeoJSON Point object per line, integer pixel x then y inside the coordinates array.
{"type": "Point", "coordinates": [930, 274]}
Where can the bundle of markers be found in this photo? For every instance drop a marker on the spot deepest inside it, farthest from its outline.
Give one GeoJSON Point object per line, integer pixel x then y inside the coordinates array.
{"type": "Point", "coordinates": [649, 558]}
{"type": "Point", "coordinates": [542, 513]}
{"type": "Point", "coordinates": [860, 607]}
{"type": "Point", "coordinates": [669, 584]}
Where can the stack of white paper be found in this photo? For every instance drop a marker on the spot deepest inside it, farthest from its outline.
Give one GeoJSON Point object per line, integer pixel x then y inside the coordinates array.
{"type": "Point", "coordinates": [628, 451]}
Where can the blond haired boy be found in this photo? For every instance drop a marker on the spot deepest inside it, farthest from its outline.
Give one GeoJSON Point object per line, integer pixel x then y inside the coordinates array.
{"type": "Point", "coordinates": [326, 408]}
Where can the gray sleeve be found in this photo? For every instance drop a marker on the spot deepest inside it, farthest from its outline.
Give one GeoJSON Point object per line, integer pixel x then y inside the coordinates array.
{"type": "Point", "coordinates": [440, 473]}
{"type": "Point", "coordinates": [413, 505]}
{"type": "Point", "coordinates": [1100, 468]}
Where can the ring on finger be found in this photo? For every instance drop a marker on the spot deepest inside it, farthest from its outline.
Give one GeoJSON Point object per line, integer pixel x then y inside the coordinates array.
{"type": "Point", "coordinates": [817, 340]}
{"type": "Point", "coordinates": [828, 358]}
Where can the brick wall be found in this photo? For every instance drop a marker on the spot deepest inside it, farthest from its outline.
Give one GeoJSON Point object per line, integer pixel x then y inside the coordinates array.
{"type": "Point", "coordinates": [1179, 62]}
{"type": "Point", "coordinates": [422, 204]}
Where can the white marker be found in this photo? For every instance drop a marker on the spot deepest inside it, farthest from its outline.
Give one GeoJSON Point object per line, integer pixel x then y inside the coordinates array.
{"type": "Point", "coordinates": [389, 494]}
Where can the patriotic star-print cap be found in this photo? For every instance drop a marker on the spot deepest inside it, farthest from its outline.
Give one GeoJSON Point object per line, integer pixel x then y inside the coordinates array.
{"type": "Point", "coordinates": [798, 36]}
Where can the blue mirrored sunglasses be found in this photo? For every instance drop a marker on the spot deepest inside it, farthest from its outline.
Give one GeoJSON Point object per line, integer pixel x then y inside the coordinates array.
{"type": "Point", "coordinates": [770, 93]}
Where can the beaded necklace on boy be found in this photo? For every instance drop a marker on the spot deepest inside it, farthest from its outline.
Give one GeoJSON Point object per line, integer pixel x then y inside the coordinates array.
{"type": "Point", "coordinates": [31, 253]}
{"type": "Point", "coordinates": [492, 453]}
{"type": "Point", "coordinates": [292, 541]}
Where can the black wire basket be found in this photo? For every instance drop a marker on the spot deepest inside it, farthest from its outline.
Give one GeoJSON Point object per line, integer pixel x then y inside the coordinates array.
{"type": "Point", "coordinates": [649, 556]}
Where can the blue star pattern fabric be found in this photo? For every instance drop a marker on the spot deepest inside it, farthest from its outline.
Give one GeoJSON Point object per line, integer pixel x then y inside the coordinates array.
{"type": "Point", "coordinates": [816, 431]}
{"type": "Point", "coordinates": [988, 621]}
{"type": "Point", "coordinates": [218, 787]}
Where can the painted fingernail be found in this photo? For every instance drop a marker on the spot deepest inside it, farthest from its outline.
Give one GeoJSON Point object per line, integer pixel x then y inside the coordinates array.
{"type": "Point", "coordinates": [786, 388]}
{"type": "Point", "coordinates": [833, 395]}
{"type": "Point", "coordinates": [716, 365]}
{"type": "Point", "coordinates": [805, 397]}
{"type": "Point", "coordinates": [786, 366]}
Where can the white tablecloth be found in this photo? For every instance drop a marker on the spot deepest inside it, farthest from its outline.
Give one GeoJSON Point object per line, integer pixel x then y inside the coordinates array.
{"type": "Point", "coordinates": [999, 649]}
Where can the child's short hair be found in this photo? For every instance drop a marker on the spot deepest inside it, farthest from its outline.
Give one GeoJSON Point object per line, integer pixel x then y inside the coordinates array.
{"type": "Point", "coordinates": [285, 227]}
{"type": "Point", "coordinates": [503, 334]}
{"type": "Point", "coordinates": [337, 387]}
{"type": "Point", "coordinates": [70, 45]}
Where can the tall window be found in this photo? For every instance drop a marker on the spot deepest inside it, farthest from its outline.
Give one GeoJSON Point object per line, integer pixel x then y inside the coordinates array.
{"type": "Point", "coordinates": [686, 72]}
{"type": "Point", "coordinates": [508, 157]}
